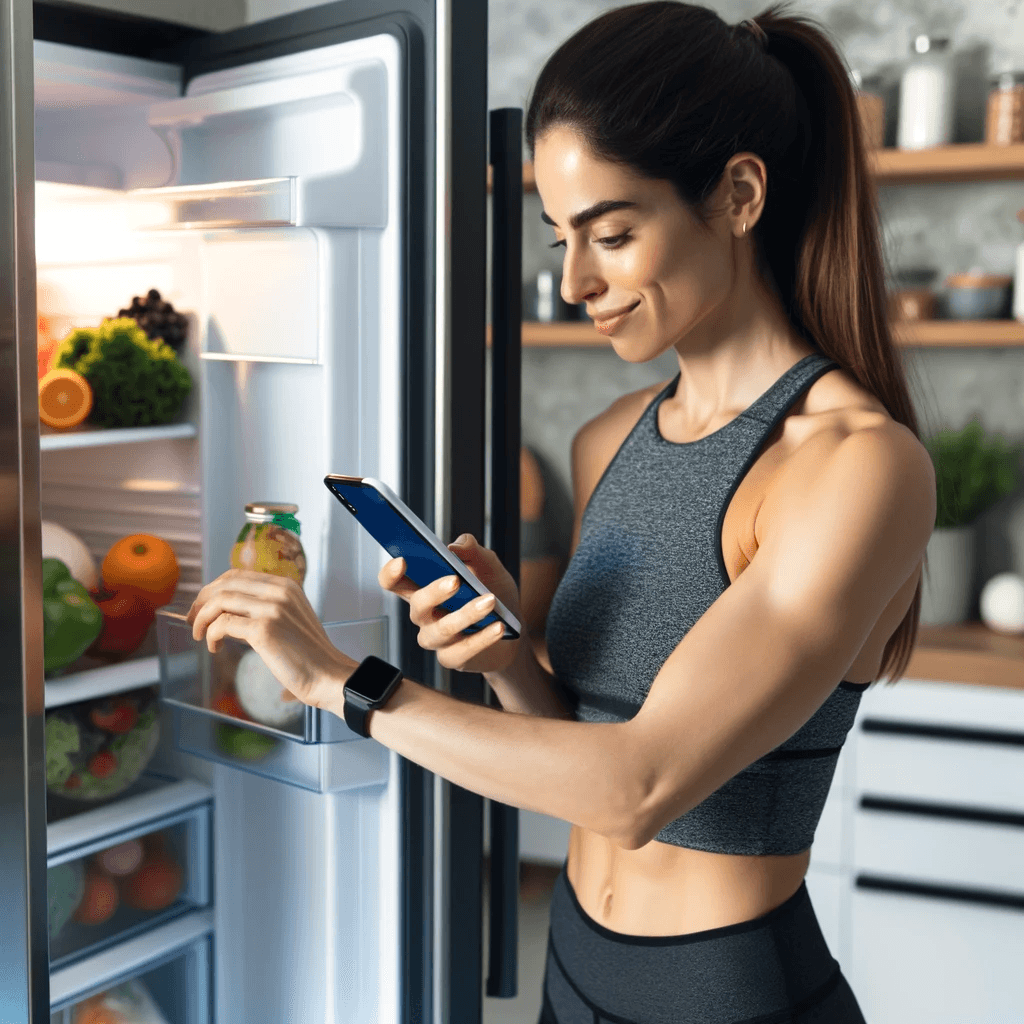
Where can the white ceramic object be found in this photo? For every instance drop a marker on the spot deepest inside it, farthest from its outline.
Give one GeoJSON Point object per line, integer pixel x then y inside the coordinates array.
{"type": "Point", "coordinates": [262, 696]}
{"type": "Point", "coordinates": [72, 551]}
{"type": "Point", "coordinates": [1002, 603]}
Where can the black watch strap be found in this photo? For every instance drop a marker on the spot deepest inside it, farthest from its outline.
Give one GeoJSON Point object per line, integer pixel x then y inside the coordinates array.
{"type": "Point", "coordinates": [355, 716]}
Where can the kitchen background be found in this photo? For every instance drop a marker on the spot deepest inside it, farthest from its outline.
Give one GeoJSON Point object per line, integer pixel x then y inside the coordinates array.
{"type": "Point", "coordinates": [952, 227]}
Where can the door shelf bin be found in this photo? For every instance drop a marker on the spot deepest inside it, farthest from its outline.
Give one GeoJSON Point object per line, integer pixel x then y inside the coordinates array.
{"type": "Point", "coordinates": [109, 887]}
{"type": "Point", "coordinates": [221, 687]}
{"type": "Point", "coordinates": [320, 767]}
{"type": "Point", "coordinates": [172, 964]}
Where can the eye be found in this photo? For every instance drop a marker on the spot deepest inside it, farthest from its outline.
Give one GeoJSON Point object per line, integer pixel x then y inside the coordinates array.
{"type": "Point", "coordinates": [613, 242]}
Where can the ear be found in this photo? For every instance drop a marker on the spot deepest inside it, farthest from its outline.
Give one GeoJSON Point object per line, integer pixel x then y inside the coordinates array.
{"type": "Point", "coordinates": [745, 181]}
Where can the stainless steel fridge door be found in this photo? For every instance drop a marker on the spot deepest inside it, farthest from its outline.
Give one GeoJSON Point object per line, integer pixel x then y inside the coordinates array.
{"type": "Point", "coordinates": [24, 964]}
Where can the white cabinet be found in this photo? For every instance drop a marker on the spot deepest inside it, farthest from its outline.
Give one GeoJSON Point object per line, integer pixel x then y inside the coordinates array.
{"type": "Point", "coordinates": [930, 905]}
{"type": "Point", "coordinates": [935, 960]}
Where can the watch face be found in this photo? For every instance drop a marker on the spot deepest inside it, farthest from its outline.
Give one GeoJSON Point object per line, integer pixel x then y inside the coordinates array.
{"type": "Point", "coordinates": [372, 678]}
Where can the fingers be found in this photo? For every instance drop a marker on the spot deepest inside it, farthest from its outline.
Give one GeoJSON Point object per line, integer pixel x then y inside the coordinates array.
{"type": "Point", "coordinates": [458, 654]}
{"type": "Point", "coordinates": [233, 602]}
{"type": "Point", "coordinates": [240, 627]}
{"type": "Point", "coordinates": [444, 630]}
{"type": "Point", "coordinates": [258, 584]}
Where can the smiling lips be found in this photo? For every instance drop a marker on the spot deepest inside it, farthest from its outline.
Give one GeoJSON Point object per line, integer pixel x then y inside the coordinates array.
{"type": "Point", "coordinates": [610, 324]}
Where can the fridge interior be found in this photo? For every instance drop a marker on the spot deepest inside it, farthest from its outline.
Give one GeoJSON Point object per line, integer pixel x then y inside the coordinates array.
{"type": "Point", "coordinates": [263, 205]}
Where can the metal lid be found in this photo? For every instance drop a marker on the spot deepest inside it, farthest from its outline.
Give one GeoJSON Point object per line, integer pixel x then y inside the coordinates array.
{"type": "Point", "coordinates": [1007, 79]}
{"type": "Point", "coordinates": [269, 508]}
{"type": "Point", "coordinates": [926, 44]}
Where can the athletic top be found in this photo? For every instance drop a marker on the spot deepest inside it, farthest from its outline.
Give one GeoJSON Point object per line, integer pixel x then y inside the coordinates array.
{"type": "Point", "coordinates": [648, 565]}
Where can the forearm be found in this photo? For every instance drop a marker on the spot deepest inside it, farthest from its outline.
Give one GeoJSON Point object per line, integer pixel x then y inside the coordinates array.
{"type": "Point", "coordinates": [580, 772]}
{"type": "Point", "coordinates": [527, 688]}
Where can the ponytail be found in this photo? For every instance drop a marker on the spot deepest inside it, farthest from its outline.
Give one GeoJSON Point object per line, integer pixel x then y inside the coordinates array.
{"type": "Point", "coordinates": [673, 92]}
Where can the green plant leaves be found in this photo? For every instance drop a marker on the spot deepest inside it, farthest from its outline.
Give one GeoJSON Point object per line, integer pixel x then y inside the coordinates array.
{"type": "Point", "coordinates": [972, 473]}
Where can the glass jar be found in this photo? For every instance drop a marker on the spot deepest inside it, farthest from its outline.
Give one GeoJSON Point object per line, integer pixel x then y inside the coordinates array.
{"type": "Point", "coordinates": [269, 541]}
{"type": "Point", "coordinates": [1004, 115]}
{"type": "Point", "coordinates": [926, 96]}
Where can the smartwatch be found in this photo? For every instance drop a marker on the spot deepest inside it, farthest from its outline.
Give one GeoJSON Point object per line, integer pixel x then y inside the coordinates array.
{"type": "Point", "coordinates": [367, 689]}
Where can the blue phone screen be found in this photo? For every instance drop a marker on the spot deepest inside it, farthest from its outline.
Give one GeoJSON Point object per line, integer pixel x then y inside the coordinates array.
{"type": "Point", "coordinates": [398, 537]}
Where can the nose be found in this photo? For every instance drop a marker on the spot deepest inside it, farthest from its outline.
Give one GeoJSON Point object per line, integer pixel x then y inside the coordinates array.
{"type": "Point", "coordinates": [579, 278]}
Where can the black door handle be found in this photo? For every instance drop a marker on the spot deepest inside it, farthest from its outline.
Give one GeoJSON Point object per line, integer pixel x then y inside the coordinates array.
{"type": "Point", "coordinates": [506, 395]}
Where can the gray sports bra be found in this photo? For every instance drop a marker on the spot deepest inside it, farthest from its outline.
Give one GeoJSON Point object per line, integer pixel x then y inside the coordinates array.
{"type": "Point", "coordinates": [652, 524]}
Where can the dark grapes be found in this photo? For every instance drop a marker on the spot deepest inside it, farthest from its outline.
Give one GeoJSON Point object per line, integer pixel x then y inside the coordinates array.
{"type": "Point", "coordinates": [158, 318]}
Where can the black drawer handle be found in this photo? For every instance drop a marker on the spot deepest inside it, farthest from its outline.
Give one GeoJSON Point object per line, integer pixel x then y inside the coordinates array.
{"type": "Point", "coordinates": [957, 894]}
{"type": "Point", "coordinates": [998, 737]}
{"type": "Point", "coordinates": [949, 812]}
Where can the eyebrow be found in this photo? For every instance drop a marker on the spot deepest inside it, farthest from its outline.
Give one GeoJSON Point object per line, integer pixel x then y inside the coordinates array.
{"type": "Point", "coordinates": [577, 220]}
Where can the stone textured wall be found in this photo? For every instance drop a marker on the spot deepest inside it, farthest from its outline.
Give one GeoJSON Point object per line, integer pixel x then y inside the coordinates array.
{"type": "Point", "coordinates": [954, 227]}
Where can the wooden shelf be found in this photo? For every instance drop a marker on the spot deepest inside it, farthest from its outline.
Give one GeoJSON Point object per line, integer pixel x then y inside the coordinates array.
{"type": "Point", "coordinates": [968, 653]}
{"type": "Point", "coordinates": [958, 333]}
{"type": "Point", "coordinates": [919, 334]}
{"type": "Point", "coordinates": [963, 162]}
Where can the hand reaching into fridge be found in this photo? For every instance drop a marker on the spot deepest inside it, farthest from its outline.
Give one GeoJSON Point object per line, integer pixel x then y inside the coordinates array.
{"type": "Point", "coordinates": [441, 631]}
{"type": "Point", "coordinates": [274, 617]}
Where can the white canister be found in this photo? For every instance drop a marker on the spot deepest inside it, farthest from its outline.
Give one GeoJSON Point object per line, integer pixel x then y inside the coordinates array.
{"type": "Point", "coordinates": [1018, 279]}
{"type": "Point", "coordinates": [926, 96]}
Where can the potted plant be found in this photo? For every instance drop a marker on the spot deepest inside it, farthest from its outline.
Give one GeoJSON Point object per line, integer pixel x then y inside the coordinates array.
{"type": "Point", "coordinates": [972, 473]}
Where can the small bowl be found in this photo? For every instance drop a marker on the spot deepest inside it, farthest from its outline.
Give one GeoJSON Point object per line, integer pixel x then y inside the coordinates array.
{"type": "Point", "coordinates": [978, 296]}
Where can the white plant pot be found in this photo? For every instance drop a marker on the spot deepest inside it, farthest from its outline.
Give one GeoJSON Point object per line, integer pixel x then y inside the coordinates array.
{"type": "Point", "coordinates": [948, 585]}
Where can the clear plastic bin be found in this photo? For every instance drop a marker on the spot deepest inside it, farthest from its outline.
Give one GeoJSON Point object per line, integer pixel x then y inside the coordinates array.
{"type": "Point", "coordinates": [105, 890]}
{"type": "Point", "coordinates": [163, 977]}
{"type": "Point", "coordinates": [216, 696]}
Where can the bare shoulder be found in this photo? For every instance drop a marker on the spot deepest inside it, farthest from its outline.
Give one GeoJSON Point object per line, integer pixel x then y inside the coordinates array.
{"type": "Point", "coordinates": [844, 424]}
{"type": "Point", "coordinates": [596, 442]}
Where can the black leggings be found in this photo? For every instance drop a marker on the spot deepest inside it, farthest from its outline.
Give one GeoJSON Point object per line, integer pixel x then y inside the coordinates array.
{"type": "Point", "coordinates": [775, 969]}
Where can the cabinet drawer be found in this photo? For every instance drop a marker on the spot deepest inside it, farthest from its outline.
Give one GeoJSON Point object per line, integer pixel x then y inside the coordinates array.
{"type": "Point", "coordinates": [929, 766]}
{"type": "Point", "coordinates": [929, 844]}
{"type": "Point", "coordinates": [918, 957]}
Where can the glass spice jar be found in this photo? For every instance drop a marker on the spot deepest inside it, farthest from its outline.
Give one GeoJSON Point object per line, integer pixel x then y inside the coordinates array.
{"type": "Point", "coordinates": [1004, 115]}
{"type": "Point", "coordinates": [269, 541]}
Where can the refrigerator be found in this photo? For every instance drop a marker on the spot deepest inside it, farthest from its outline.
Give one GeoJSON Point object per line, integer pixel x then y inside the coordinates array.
{"type": "Point", "coordinates": [311, 193]}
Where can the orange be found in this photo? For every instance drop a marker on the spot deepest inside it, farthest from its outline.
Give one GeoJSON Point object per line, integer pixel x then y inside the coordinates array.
{"type": "Point", "coordinates": [65, 398]}
{"type": "Point", "coordinates": [145, 564]}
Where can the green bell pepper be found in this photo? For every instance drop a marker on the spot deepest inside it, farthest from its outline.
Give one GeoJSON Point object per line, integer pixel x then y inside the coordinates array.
{"type": "Point", "coordinates": [71, 618]}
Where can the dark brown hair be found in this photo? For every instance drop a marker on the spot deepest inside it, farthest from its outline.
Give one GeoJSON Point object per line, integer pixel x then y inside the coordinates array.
{"type": "Point", "coordinates": [671, 91]}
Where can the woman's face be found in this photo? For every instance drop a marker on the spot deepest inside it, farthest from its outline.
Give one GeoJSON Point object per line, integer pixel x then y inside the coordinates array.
{"type": "Point", "coordinates": [648, 272]}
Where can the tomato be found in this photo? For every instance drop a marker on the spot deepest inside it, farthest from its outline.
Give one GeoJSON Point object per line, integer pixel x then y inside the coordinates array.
{"type": "Point", "coordinates": [126, 620]}
{"type": "Point", "coordinates": [115, 716]}
{"type": "Point", "coordinates": [102, 765]}
{"type": "Point", "coordinates": [154, 886]}
{"type": "Point", "coordinates": [100, 899]}
{"type": "Point", "coordinates": [227, 703]}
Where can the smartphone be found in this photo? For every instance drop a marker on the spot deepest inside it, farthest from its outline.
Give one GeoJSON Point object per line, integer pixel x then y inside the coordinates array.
{"type": "Point", "coordinates": [401, 533]}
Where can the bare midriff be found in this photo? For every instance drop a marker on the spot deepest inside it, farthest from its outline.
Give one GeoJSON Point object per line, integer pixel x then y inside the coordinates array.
{"type": "Point", "coordinates": [671, 890]}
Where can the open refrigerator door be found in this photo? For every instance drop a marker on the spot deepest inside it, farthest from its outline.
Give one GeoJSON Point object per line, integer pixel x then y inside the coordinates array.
{"type": "Point", "coordinates": [255, 198]}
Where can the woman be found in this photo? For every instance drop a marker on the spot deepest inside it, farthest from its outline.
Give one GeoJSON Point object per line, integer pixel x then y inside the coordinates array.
{"type": "Point", "coordinates": [748, 541]}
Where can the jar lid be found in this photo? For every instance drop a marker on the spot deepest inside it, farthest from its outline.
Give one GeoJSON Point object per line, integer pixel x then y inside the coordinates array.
{"type": "Point", "coordinates": [269, 508]}
{"type": "Point", "coordinates": [976, 280]}
{"type": "Point", "coordinates": [925, 43]}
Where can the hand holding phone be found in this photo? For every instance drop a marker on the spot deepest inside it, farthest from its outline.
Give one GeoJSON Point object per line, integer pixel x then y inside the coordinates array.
{"type": "Point", "coordinates": [428, 562]}
{"type": "Point", "coordinates": [439, 628]}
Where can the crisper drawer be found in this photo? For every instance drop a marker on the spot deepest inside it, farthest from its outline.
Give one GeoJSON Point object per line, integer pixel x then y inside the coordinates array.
{"type": "Point", "coordinates": [161, 977]}
{"type": "Point", "coordinates": [937, 843]}
{"type": "Point", "coordinates": [118, 871]}
{"type": "Point", "coordinates": [934, 956]}
{"type": "Point", "coordinates": [971, 767]}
